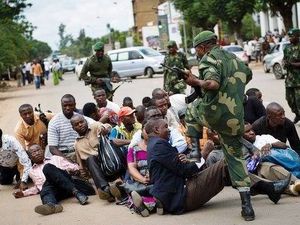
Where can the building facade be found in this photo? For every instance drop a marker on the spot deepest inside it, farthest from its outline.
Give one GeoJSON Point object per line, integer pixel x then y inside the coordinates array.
{"type": "Point", "coordinates": [274, 24]}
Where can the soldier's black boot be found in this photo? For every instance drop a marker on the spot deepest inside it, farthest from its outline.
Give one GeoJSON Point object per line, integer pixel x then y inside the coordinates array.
{"type": "Point", "coordinates": [195, 151]}
{"type": "Point", "coordinates": [272, 189]}
{"type": "Point", "coordinates": [247, 210]}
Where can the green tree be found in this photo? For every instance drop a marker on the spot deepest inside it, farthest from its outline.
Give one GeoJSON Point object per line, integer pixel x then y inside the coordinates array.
{"type": "Point", "coordinates": [39, 49]}
{"type": "Point", "coordinates": [249, 29]}
{"type": "Point", "coordinates": [283, 7]}
{"type": "Point", "coordinates": [65, 39]}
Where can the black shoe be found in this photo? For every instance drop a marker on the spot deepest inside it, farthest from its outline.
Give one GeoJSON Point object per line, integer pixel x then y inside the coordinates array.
{"type": "Point", "coordinates": [82, 198]}
{"type": "Point", "coordinates": [278, 188]}
{"type": "Point", "coordinates": [296, 120]}
{"type": "Point", "coordinates": [105, 194]}
{"type": "Point", "coordinates": [247, 210]}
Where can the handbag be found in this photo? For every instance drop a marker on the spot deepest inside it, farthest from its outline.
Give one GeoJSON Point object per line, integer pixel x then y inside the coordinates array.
{"type": "Point", "coordinates": [140, 188]}
{"type": "Point", "coordinates": [111, 159]}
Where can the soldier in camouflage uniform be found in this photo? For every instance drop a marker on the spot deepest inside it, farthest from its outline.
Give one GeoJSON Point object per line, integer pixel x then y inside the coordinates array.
{"type": "Point", "coordinates": [222, 78]}
{"type": "Point", "coordinates": [291, 60]}
{"type": "Point", "coordinates": [174, 58]}
{"type": "Point", "coordinates": [100, 67]}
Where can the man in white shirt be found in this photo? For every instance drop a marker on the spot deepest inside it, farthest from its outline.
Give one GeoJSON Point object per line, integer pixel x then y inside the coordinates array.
{"type": "Point", "coordinates": [100, 97]}
{"type": "Point", "coordinates": [10, 152]}
{"type": "Point", "coordinates": [61, 136]}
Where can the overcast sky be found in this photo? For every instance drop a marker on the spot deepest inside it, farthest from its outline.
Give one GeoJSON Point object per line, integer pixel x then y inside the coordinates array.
{"type": "Point", "coordinates": [92, 15]}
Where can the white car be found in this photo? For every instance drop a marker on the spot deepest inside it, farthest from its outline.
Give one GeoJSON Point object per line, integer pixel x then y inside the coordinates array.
{"type": "Point", "coordinates": [79, 66]}
{"type": "Point", "coordinates": [136, 61]}
{"type": "Point", "coordinates": [277, 67]}
{"type": "Point", "coordinates": [238, 51]}
{"type": "Point", "coordinates": [275, 52]}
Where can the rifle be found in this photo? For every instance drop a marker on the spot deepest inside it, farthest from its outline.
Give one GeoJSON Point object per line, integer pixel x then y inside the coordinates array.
{"type": "Point", "coordinates": [181, 76]}
{"type": "Point", "coordinates": [43, 118]}
{"type": "Point", "coordinates": [42, 115]}
{"type": "Point", "coordinates": [122, 80]}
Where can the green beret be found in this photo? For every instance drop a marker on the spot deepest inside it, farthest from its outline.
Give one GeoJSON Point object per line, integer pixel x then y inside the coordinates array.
{"type": "Point", "coordinates": [294, 32]}
{"type": "Point", "coordinates": [171, 44]}
{"type": "Point", "coordinates": [98, 46]}
{"type": "Point", "coordinates": [203, 37]}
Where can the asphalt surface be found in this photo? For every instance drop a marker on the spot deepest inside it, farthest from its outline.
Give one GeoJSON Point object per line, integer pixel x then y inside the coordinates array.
{"type": "Point", "coordinates": [222, 210]}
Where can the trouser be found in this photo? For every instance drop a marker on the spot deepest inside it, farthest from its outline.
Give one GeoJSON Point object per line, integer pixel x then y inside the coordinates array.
{"type": "Point", "coordinates": [28, 77]}
{"type": "Point", "coordinates": [209, 182]}
{"type": "Point", "coordinates": [7, 175]}
{"type": "Point", "coordinates": [101, 181]}
{"type": "Point", "coordinates": [60, 185]}
{"type": "Point", "coordinates": [37, 82]}
{"type": "Point", "coordinates": [23, 79]}
{"type": "Point", "coordinates": [292, 95]}
{"type": "Point", "coordinates": [47, 74]}
{"type": "Point", "coordinates": [232, 148]}
{"type": "Point", "coordinates": [205, 185]}
{"type": "Point", "coordinates": [273, 172]}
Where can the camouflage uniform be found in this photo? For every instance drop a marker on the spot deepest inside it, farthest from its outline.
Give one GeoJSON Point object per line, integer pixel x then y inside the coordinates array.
{"type": "Point", "coordinates": [222, 109]}
{"type": "Point", "coordinates": [292, 80]}
{"type": "Point", "coordinates": [171, 81]}
{"type": "Point", "coordinates": [98, 68]}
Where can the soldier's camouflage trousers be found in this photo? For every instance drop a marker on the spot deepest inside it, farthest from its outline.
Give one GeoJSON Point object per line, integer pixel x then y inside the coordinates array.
{"type": "Point", "coordinates": [292, 95]}
{"type": "Point", "coordinates": [232, 148]}
{"type": "Point", "coordinates": [194, 128]}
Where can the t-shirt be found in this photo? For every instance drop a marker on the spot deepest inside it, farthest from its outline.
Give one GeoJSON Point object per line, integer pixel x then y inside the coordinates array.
{"type": "Point", "coordinates": [61, 133]}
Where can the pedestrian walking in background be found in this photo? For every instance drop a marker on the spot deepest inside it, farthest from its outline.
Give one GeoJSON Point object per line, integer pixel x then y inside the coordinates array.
{"type": "Point", "coordinates": [37, 73]}
{"type": "Point", "coordinates": [56, 71]}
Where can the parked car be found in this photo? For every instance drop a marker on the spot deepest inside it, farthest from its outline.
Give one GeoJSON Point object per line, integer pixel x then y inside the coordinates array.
{"type": "Point", "coordinates": [275, 52]}
{"type": "Point", "coordinates": [79, 66]}
{"type": "Point", "coordinates": [277, 67]}
{"type": "Point", "coordinates": [238, 51]}
{"type": "Point", "coordinates": [68, 66]}
{"type": "Point", "coordinates": [136, 61]}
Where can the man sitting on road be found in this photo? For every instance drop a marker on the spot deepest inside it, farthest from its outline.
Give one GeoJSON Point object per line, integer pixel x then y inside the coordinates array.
{"type": "Point", "coordinates": [31, 128]}
{"type": "Point", "coordinates": [11, 152]}
{"type": "Point", "coordinates": [61, 136]}
{"type": "Point", "coordinates": [86, 147]}
{"type": "Point", "coordinates": [103, 102]}
{"type": "Point", "coordinates": [179, 185]}
{"type": "Point", "coordinates": [276, 124]}
{"type": "Point", "coordinates": [122, 134]}
{"type": "Point", "coordinates": [52, 179]}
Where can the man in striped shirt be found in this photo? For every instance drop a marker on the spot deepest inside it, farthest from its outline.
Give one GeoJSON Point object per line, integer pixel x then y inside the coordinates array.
{"type": "Point", "coordinates": [61, 136]}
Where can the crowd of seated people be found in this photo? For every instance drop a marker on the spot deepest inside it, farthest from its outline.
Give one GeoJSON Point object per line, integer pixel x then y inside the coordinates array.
{"type": "Point", "coordinates": [57, 155]}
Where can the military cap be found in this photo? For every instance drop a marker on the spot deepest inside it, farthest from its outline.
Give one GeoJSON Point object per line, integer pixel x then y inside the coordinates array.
{"type": "Point", "coordinates": [203, 37]}
{"type": "Point", "coordinates": [98, 46]}
{"type": "Point", "coordinates": [171, 44]}
{"type": "Point", "coordinates": [294, 32]}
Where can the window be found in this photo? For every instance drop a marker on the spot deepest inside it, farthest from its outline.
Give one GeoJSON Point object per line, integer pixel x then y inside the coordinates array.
{"type": "Point", "coordinates": [149, 52]}
{"type": "Point", "coordinates": [113, 57]}
{"type": "Point", "coordinates": [135, 55]}
{"type": "Point", "coordinates": [123, 56]}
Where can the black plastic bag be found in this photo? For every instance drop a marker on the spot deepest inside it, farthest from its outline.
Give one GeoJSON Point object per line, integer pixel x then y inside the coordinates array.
{"type": "Point", "coordinates": [111, 158]}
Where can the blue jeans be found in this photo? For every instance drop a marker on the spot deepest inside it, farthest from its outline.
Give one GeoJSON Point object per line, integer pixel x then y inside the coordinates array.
{"type": "Point", "coordinates": [37, 81]}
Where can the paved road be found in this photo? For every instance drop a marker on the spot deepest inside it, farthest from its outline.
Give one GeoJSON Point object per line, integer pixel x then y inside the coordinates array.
{"type": "Point", "coordinates": [223, 209]}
